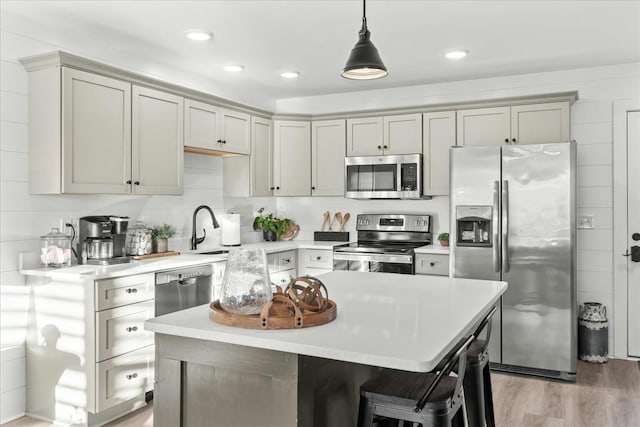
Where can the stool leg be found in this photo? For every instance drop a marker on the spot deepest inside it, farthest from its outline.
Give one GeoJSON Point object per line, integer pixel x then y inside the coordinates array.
{"type": "Point", "coordinates": [473, 395]}
{"type": "Point", "coordinates": [488, 396]}
{"type": "Point", "coordinates": [365, 413]}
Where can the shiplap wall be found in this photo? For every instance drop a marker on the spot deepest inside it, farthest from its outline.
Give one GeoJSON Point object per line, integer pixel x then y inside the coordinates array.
{"type": "Point", "coordinates": [24, 217]}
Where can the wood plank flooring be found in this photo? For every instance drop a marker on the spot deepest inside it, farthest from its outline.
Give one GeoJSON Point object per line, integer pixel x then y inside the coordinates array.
{"type": "Point", "coordinates": [604, 395]}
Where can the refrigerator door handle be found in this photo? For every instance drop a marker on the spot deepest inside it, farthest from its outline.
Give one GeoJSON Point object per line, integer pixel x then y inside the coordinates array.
{"type": "Point", "coordinates": [505, 226]}
{"type": "Point", "coordinates": [495, 233]}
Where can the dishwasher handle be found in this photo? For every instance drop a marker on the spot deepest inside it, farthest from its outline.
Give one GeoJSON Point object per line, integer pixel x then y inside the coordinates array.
{"type": "Point", "coordinates": [183, 274]}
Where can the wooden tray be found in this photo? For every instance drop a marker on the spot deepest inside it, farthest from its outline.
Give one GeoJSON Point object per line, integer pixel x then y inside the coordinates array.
{"type": "Point", "coordinates": [274, 320]}
{"type": "Point", "coordinates": [156, 255]}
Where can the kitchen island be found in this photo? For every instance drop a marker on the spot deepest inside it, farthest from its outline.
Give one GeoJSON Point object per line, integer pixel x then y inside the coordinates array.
{"type": "Point", "coordinates": [210, 374]}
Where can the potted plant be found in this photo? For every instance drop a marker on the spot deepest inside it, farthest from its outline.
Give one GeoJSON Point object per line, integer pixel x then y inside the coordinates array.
{"type": "Point", "coordinates": [443, 238]}
{"type": "Point", "coordinates": [272, 227]}
{"type": "Point", "coordinates": [161, 234]}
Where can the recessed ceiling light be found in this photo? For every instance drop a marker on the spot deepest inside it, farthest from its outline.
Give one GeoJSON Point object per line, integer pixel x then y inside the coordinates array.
{"type": "Point", "coordinates": [199, 35]}
{"type": "Point", "coordinates": [290, 74]}
{"type": "Point", "coordinates": [457, 54]}
{"type": "Point", "coordinates": [234, 68]}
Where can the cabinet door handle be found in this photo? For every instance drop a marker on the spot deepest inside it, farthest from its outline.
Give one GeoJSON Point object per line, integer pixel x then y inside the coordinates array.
{"type": "Point", "coordinates": [224, 141]}
{"type": "Point", "coordinates": [272, 188]}
{"type": "Point", "coordinates": [385, 147]}
{"type": "Point", "coordinates": [131, 291]}
{"type": "Point", "coordinates": [132, 328]}
{"type": "Point", "coordinates": [318, 258]}
{"type": "Point", "coordinates": [514, 140]}
{"type": "Point", "coordinates": [219, 141]}
{"type": "Point", "coordinates": [431, 264]}
{"type": "Point", "coordinates": [132, 376]}
{"type": "Point", "coordinates": [129, 182]}
{"type": "Point", "coordinates": [313, 188]}
{"type": "Point", "coordinates": [379, 147]}
{"type": "Point", "coordinates": [277, 188]}
{"type": "Point", "coordinates": [137, 183]}
{"type": "Point", "coordinates": [506, 140]}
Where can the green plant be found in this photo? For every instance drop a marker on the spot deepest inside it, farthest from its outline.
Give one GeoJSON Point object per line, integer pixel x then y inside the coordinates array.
{"type": "Point", "coordinates": [271, 223]}
{"type": "Point", "coordinates": [162, 232]}
{"type": "Point", "coordinates": [443, 237]}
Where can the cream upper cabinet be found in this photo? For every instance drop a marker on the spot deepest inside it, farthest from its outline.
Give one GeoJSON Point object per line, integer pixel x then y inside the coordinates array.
{"type": "Point", "coordinates": [521, 124]}
{"type": "Point", "coordinates": [252, 175]}
{"type": "Point", "coordinates": [328, 142]}
{"type": "Point", "coordinates": [402, 134]}
{"type": "Point", "coordinates": [484, 126]}
{"type": "Point", "coordinates": [540, 123]}
{"type": "Point", "coordinates": [214, 128]}
{"type": "Point", "coordinates": [439, 135]}
{"type": "Point", "coordinates": [157, 142]}
{"type": "Point", "coordinates": [90, 134]}
{"type": "Point", "coordinates": [371, 136]}
{"type": "Point", "coordinates": [365, 136]}
{"type": "Point", "coordinates": [292, 158]}
{"type": "Point", "coordinates": [261, 157]}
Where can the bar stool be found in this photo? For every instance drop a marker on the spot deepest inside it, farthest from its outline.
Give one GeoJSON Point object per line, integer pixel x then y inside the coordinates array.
{"type": "Point", "coordinates": [478, 396]}
{"type": "Point", "coordinates": [431, 399]}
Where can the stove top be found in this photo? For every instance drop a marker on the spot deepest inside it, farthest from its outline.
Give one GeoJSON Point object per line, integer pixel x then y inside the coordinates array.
{"type": "Point", "coordinates": [379, 247]}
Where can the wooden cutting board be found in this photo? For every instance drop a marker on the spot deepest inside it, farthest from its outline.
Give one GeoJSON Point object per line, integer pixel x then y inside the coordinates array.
{"type": "Point", "coordinates": [156, 255]}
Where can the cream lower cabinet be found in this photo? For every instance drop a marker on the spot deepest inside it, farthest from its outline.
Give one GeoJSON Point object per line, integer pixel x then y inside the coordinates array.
{"type": "Point", "coordinates": [433, 264]}
{"type": "Point", "coordinates": [89, 359]}
{"type": "Point", "coordinates": [328, 143]}
{"type": "Point", "coordinates": [375, 136]}
{"type": "Point", "coordinates": [313, 262]}
{"type": "Point", "coordinates": [521, 124]}
{"type": "Point", "coordinates": [282, 266]}
{"type": "Point", "coordinates": [215, 128]}
{"type": "Point", "coordinates": [292, 158]}
{"type": "Point", "coordinates": [90, 134]}
{"type": "Point", "coordinates": [438, 136]}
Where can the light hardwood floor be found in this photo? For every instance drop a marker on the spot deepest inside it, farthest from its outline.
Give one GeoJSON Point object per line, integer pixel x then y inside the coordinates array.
{"type": "Point", "coordinates": [606, 395]}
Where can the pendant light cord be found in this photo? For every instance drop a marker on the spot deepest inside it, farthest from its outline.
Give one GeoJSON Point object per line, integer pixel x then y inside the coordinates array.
{"type": "Point", "coordinates": [364, 29]}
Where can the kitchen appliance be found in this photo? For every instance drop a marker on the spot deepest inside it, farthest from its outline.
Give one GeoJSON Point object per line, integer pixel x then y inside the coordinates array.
{"type": "Point", "coordinates": [183, 288]}
{"type": "Point", "coordinates": [101, 240]}
{"type": "Point", "coordinates": [383, 177]}
{"type": "Point", "coordinates": [386, 243]}
{"type": "Point", "coordinates": [513, 219]}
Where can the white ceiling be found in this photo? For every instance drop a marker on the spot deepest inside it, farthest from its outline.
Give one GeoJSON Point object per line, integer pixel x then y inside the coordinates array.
{"type": "Point", "coordinates": [315, 38]}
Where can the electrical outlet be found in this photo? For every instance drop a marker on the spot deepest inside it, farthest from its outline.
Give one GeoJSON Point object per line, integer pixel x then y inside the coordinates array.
{"type": "Point", "coordinates": [585, 221]}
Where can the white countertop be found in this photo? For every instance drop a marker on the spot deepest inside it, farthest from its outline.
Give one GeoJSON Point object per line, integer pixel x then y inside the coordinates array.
{"type": "Point", "coordinates": [185, 259]}
{"type": "Point", "coordinates": [433, 249]}
{"type": "Point", "coordinates": [388, 320]}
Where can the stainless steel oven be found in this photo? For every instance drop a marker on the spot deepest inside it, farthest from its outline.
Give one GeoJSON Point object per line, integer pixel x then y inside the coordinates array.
{"type": "Point", "coordinates": [183, 288]}
{"type": "Point", "coordinates": [385, 243]}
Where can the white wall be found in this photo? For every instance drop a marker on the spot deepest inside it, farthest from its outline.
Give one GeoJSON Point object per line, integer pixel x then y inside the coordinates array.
{"type": "Point", "coordinates": [591, 127]}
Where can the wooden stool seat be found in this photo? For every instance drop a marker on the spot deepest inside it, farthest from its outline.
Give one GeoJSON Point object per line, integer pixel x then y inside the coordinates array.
{"type": "Point", "coordinates": [406, 388]}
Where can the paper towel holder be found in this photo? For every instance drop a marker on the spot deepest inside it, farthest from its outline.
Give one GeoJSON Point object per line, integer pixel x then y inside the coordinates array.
{"type": "Point", "coordinates": [230, 229]}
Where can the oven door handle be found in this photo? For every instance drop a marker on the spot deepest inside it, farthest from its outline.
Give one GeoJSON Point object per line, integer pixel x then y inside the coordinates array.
{"type": "Point", "coordinates": [397, 259]}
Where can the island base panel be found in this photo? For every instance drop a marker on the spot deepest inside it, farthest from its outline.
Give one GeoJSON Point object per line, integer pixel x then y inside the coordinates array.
{"type": "Point", "coordinates": [201, 382]}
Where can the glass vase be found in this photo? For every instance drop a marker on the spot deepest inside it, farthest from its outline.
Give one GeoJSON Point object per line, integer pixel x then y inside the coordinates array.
{"type": "Point", "coordinates": [246, 285]}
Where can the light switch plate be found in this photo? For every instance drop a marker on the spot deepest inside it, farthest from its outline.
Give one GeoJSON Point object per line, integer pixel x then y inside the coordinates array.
{"type": "Point", "coordinates": [585, 221]}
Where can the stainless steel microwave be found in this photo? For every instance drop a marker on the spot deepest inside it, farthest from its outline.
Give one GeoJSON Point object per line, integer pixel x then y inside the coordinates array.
{"type": "Point", "coordinates": [383, 177]}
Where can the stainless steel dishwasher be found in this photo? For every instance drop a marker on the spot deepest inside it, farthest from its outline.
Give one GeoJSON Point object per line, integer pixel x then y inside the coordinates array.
{"type": "Point", "coordinates": [182, 288]}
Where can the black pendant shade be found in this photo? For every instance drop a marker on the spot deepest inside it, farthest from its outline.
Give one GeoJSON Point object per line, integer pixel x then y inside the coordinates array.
{"type": "Point", "coordinates": [364, 62]}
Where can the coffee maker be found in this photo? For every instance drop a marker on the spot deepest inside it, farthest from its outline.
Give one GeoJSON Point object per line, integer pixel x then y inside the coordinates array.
{"type": "Point", "coordinates": [101, 240]}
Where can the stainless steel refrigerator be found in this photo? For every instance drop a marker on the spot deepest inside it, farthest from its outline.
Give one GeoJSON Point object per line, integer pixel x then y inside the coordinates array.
{"type": "Point", "coordinates": [513, 219]}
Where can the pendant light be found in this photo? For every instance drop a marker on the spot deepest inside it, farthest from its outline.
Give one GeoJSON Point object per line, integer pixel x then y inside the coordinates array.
{"type": "Point", "coordinates": [364, 62]}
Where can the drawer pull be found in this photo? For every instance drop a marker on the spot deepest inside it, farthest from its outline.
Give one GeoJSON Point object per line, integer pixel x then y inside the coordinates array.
{"type": "Point", "coordinates": [131, 291]}
{"type": "Point", "coordinates": [431, 264]}
{"type": "Point", "coordinates": [132, 328]}
{"type": "Point", "coordinates": [318, 258]}
{"type": "Point", "coordinates": [132, 376]}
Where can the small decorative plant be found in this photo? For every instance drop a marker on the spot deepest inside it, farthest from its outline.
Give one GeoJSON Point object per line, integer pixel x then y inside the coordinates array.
{"type": "Point", "coordinates": [443, 238]}
{"type": "Point", "coordinates": [272, 227]}
{"type": "Point", "coordinates": [163, 232]}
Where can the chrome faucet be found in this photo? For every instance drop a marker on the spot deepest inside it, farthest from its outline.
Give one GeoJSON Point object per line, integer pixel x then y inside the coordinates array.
{"type": "Point", "coordinates": [194, 239]}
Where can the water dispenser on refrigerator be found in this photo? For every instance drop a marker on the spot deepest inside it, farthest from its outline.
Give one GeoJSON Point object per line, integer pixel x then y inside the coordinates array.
{"type": "Point", "coordinates": [474, 226]}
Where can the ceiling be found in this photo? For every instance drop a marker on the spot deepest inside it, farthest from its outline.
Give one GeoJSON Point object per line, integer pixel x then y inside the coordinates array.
{"type": "Point", "coordinates": [315, 38]}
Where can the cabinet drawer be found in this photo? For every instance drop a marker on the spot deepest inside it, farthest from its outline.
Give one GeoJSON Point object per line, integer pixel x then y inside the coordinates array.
{"type": "Point", "coordinates": [124, 290]}
{"type": "Point", "coordinates": [121, 329]}
{"type": "Point", "coordinates": [124, 377]}
{"type": "Point", "coordinates": [317, 258]}
{"type": "Point", "coordinates": [432, 264]}
{"type": "Point", "coordinates": [282, 278]}
{"type": "Point", "coordinates": [287, 260]}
